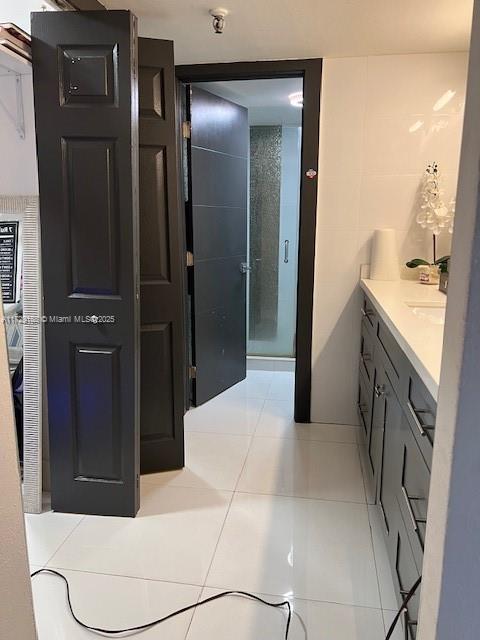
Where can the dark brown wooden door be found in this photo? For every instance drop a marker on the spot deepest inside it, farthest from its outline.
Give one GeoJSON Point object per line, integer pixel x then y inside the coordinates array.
{"type": "Point", "coordinates": [162, 259]}
{"type": "Point", "coordinates": [218, 236]}
{"type": "Point", "coordinates": [85, 112]}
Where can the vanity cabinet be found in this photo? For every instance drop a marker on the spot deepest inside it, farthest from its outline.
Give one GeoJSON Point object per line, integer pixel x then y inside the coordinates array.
{"type": "Point", "coordinates": [397, 415]}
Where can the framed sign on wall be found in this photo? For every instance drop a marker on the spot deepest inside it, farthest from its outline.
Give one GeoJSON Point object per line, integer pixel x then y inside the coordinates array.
{"type": "Point", "coordinates": [10, 261]}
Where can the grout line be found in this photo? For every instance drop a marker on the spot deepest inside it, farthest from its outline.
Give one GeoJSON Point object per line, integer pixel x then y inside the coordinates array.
{"type": "Point", "coordinates": [234, 493]}
{"type": "Point", "coordinates": [235, 489]}
{"type": "Point", "coordinates": [218, 539]}
{"type": "Point", "coordinates": [359, 455]}
{"type": "Point", "coordinates": [266, 437]}
{"type": "Point", "coordinates": [64, 540]}
{"type": "Point", "coordinates": [193, 611]}
{"type": "Point", "coordinates": [259, 417]}
{"type": "Point", "coordinates": [384, 622]}
{"type": "Point", "coordinates": [293, 597]}
{"type": "Point", "coordinates": [310, 440]}
{"type": "Point", "coordinates": [121, 575]}
{"type": "Point", "coordinates": [296, 497]}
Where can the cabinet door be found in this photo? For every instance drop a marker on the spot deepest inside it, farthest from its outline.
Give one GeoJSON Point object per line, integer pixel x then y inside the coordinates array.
{"type": "Point", "coordinates": [392, 447]}
{"type": "Point", "coordinates": [375, 447]}
{"type": "Point", "coordinates": [365, 402]}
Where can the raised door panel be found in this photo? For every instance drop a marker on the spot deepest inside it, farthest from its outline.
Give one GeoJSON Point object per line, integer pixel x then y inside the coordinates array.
{"type": "Point", "coordinates": [88, 75]}
{"type": "Point", "coordinates": [154, 227]}
{"type": "Point", "coordinates": [157, 392]}
{"type": "Point", "coordinates": [151, 92]}
{"type": "Point", "coordinates": [92, 214]}
{"type": "Point", "coordinates": [95, 396]}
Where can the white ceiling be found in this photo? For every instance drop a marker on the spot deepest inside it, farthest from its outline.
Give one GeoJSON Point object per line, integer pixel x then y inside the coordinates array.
{"type": "Point", "coordinates": [279, 29]}
{"type": "Point", "coordinates": [267, 100]}
{"type": "Point", "coordinates": [256, 93]}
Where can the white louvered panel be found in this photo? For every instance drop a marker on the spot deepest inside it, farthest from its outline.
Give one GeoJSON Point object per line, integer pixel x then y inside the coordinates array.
{"type": "Point", "coordinates": [27, 208]}
{"type": "Point", "coordinates": [32, 360]}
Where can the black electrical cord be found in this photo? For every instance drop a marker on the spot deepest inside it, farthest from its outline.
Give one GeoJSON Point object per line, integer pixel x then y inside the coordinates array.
{"type": "Point", "coordinates": [407, 599]}
{"type": "Point", "coordinates": [149, 625]}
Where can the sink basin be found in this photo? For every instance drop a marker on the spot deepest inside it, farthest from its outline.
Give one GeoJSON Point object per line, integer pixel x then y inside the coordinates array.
{"type": "Point", "coordinates": [433, 312]}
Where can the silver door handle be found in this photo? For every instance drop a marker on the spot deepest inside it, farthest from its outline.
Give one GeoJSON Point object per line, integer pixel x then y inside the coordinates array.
{"type": "Point", "coordinates": [244, 267]}
{"type": "Point", "coordinates": [285, 255]}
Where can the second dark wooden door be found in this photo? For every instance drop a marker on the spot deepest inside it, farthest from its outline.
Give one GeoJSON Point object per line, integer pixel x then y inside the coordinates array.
{"type": "Point", "coordinates": [218, 237]}
{"type": "Point", "coordinates": [161, 264]}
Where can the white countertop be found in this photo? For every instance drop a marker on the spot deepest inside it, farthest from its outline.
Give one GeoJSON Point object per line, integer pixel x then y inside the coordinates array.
{"type": "Point", "coordinates": [417, 330]}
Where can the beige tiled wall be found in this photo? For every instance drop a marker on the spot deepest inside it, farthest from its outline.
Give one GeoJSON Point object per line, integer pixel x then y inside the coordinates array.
{"type": "Point", "coordinates": [380, 126]}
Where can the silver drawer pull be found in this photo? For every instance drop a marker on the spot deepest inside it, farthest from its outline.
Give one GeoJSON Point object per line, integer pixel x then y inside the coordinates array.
{"type": "Point", "coordinates": [379, 390]}
{"type": "Point", "coordinates": [366, 313]}
{"type": "Point", "coordinates": [285, 255]}
{"type": "Point", "coordinates": [409, 508]}
{"type": "Point", "coordinates": [422, 428]}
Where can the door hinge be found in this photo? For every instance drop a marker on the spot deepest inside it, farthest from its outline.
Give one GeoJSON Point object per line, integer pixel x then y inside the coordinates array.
{"type": "Point", "coordinates": [192, 371]}
{"type": "Point", "coordinates": [189, 259]}
{"type": "Point", "coordinates": [187, 129]}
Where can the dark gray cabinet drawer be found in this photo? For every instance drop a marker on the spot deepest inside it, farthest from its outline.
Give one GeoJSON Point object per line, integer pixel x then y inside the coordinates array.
{"type": "Point", "coordinates": [405, 575]}
{"type": "Point", "coordinates": [364, 404]}
{"type": "Point", "coordinates": [395, 360]}
{"type": "Point", "coordinates": [382, 395]}
{"type": "Point", "coordinates": [391, 467]}
{"type": "Point", "coordinates": [421, 412]}
{"type": "Point", "coordinates": [412, 491]}
{"type": "Point", "coordinates": [369, 313]}
{"type": "Point", "coordinates": [367, 345]}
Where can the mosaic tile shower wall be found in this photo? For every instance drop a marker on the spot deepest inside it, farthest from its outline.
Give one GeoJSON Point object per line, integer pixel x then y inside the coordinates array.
{"type": "Point", "coordinates": [265, 184]}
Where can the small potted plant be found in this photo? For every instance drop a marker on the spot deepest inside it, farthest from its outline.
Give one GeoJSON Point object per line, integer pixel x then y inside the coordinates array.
{"type": "Point", "coordinates": [430, 272]}
{"type": "Point", "coordinates": [435, 216]}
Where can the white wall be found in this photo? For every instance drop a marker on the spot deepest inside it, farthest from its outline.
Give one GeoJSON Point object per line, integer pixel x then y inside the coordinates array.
{"type": "Point", "coordinates": [18, 11]}
{"type": "Point", "coordinates": [451, 570]}
{"type": "Point", "coordinates": [18, 165]}
{"type": "Point", "coordinates": [18, 160]}
{"type": "Point", "coordinates": [378, 132]}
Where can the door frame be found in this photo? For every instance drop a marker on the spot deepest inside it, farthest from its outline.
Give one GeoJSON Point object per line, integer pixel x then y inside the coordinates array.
{"type": "Point", "coordinates": [310, 70]}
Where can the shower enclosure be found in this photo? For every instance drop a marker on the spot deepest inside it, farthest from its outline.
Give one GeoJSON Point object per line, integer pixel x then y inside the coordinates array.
{"type": "Point", "coordinates": [273, 239]}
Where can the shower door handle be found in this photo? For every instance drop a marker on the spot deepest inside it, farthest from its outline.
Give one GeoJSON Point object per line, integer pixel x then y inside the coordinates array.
{"type": "Point", "coordinates": [285, 254]}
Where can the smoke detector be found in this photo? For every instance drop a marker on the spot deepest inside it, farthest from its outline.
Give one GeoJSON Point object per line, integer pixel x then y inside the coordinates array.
{"type": "Point", "coordinates": [218, 16]}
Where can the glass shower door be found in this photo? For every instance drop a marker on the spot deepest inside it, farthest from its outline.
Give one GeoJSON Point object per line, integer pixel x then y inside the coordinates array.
{"type": "Point", "coordinates": [273, 233]}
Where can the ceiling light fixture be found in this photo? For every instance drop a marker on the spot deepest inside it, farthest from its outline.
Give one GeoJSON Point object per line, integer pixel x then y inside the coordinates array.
{"type": "Point", "coordinates": [296, 99]}
{"type": "Point", "coordinates": [219, 16]}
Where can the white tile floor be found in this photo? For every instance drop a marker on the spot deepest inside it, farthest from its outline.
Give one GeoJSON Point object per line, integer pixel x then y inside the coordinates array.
{"type": "Point", "coordinates": [263, 505]}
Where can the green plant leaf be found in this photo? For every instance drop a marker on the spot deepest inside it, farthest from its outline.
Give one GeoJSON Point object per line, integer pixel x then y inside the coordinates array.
{"type": "Point", "coordinates": [442, 260]}
{"type": "Point", "coordinates": [417, 262]}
